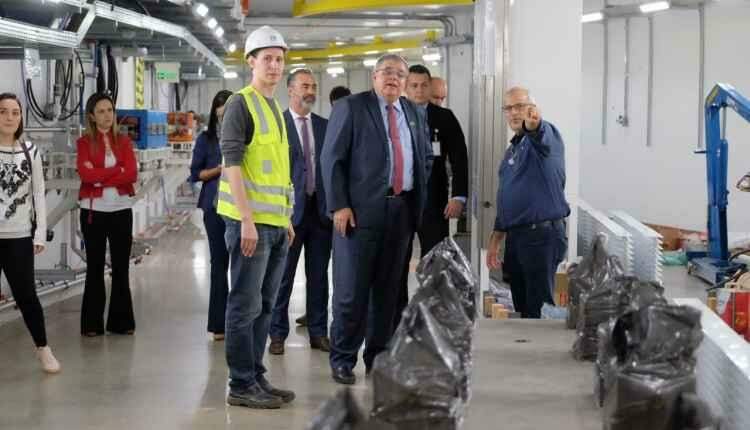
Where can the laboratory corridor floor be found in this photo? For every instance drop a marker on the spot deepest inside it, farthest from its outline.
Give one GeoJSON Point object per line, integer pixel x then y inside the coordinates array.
{"type": "Point", "coordinates": [169, 375]}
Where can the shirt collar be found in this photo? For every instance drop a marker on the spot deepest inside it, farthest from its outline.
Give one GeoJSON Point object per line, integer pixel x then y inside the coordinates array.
{"type": "Point", "coordinates": [383, 103]}
{"type": "Point", "coordinates": [296, 116]}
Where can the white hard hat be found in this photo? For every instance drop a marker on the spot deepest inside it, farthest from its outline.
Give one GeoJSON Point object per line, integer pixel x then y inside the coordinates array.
{"type": "Point", "coordinates": [264, 37]}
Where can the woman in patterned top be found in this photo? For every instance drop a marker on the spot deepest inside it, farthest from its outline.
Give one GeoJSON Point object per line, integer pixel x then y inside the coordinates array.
{"type": "Point", "coordinates": [23, 222]}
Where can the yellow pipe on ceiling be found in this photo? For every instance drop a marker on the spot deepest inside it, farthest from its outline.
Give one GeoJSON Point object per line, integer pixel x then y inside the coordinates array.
{"type": "Point", "coordinates": [378, 46]}
{"type": "Point", "coordinates": [302, 8]}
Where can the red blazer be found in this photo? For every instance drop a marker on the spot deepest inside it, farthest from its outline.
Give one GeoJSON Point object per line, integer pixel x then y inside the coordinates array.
{"type": "Point", "coordinates": [122, 176]}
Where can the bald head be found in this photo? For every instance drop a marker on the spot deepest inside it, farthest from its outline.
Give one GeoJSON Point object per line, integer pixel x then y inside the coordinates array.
{"type": "Point", "coordinates": [439, 90]}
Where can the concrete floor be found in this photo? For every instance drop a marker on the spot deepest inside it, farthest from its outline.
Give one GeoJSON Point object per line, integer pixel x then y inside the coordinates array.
{"type": "Point", "coordinates": [170, 376]}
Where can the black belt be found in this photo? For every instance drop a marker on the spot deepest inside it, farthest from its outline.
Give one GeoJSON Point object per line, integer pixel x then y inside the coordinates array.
{"type": "Point", "coordinates": [390, 193]}
{"type": "Point", "coordinates": [536, 225]}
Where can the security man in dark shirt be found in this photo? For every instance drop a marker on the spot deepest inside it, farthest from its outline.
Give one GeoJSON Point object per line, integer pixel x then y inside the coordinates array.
{"type": "Point", "coordinates": [531, 206]}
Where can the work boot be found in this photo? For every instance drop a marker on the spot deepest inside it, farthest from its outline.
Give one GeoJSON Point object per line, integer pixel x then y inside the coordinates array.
{"type": "Point", "coordinates": [320, 342]}
{"type": "Point", "coordinates": [286, 395]}
{"type": "Point", "coordinates": [48, 360]}
{"type": "Point", "coordinates": [254, 397]}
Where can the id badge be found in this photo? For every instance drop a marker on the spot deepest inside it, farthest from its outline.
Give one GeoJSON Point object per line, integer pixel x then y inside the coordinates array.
{"type": "Point", "coordinates": [436, 148]}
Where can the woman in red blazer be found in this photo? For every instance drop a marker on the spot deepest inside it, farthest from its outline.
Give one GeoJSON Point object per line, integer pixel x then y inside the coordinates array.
{"type": "Point", "coordinates": [108, 170]}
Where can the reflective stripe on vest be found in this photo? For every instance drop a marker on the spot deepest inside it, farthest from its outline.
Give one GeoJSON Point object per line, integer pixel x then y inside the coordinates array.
{"type": "Point", "coordinates": [265, 168]}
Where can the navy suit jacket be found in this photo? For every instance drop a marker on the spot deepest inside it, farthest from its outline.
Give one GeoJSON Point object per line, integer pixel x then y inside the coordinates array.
{"type": "Point", "coordinates": [297, 161]}
{"type": "Point", "coordinates": [355, 159]}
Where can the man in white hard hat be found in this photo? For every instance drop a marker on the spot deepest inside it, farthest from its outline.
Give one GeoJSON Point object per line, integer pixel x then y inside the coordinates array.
{"type": "Point", "coordinates": [255, 198]}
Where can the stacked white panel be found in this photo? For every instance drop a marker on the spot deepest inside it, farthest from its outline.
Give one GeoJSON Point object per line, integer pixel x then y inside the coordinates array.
{"type": "Point", "coordinates": [723, 370]}
{"type": "Point", "coordinates": [619, 241]}
{"type": "Point", "coordinates": [647, 247]}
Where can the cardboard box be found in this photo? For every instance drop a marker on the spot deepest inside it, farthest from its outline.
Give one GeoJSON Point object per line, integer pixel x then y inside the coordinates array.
{"type": "Point", "coordinates": [561, 289]}
{"type": "Point", "coordinates": [499, 312]}
{"type": "Point", "coordinates": [489, 300]}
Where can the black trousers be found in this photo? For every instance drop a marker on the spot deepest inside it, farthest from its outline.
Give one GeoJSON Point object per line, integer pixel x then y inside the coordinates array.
{"type": "Point", "coordinates": [117, 229]}
{"type": "Point", "coordinates": [367, 267]}
{"type": "Point", "coordinates": [217, 302]}
{"type": "Point", "coordinates": [17, 262]}
{"type": "Point", "coordinates": [433, 230]}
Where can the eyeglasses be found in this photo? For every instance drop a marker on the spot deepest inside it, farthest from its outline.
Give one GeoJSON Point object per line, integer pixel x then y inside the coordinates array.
{"type": "Point", "coordinates": [388, 72]}
{"type": "Point", "coordinates": [516, 107]}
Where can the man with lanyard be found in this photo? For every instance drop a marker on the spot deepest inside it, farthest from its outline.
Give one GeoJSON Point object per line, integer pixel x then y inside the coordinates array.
{"type": "Point", "coordinates": [531, 205]}
{"type": "Point", "coordinates": [255, 198]}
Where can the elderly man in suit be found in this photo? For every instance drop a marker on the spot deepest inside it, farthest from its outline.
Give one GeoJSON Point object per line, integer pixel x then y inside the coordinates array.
{"type": "Point", "coordinates": [375, 162]}
{"type": "Point", "coordinates": [311, 224]}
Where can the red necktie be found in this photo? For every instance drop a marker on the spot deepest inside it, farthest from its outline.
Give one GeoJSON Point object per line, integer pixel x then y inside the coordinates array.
{"type": "Point", "coordinates": [398, 156]}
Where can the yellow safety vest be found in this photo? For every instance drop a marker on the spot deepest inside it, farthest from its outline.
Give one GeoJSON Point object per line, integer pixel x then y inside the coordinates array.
{"type": "Point", "coordinates": [265, 168]}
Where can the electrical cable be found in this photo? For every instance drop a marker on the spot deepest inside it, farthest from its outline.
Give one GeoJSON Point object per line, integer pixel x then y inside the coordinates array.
{"type": "Point", "coordinates": [81, 89]}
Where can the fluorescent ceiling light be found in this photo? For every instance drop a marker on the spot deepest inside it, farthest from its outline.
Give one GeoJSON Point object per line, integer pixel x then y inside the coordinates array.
{"type": "Point", "coordinates": [230, 75]}
{"type": "Point", "coordinates": [331, 63]}
{"type": "Point", "coordinates": [335, 71]}
{"type": "Point", "coordinates": [298, 45]}
{"type": "Point", "coordinates": [395, 21]}
{"type": "Point", "coordinates": [201, 9]}
{"type": "Point", "coordinates": [296, 58]}
{"type": "Point", "coordinates": [232, 47]}
{"type": "Point", "coordinates": [433, 6]}
{"type": "Point", "coordinates": [592, 17]}
{"type": "Point", "coordinates": [298, 65]}
{"type": "Point", "coordinates": [395, 34]}
{"type": "Point", "coordinates": [370, 24]}
{"type": "Point", "coordinates": [396, 50]}
{"type": "Point", "coordinates": [371, 52]}
{"type": "Point", "coordinates": [219, 32]}
{"type": "Point", "coordinates": [370, 62]}
{"type": "Point", "coordinates": [654, 6]}
{"type": "Point", "coordinates": [340, 43]}
{"type": "Point", "coordinates": [212, 23]}
{"type": "Point", "coordinates": [336, 56]}
{"type": "Point", "coordinates": [432, 57]}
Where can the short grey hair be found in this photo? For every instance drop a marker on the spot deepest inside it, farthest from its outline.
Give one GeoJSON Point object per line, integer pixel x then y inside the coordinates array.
{"type": "Point", "coordinates": [519, 89]}
{"type": "Point", "coordinates": [292, 76]}
{"type": "Point", "coordinates": [391, 57]}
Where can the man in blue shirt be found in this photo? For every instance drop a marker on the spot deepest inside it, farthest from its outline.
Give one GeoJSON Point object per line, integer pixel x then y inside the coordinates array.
{"type": "Point", "coordinates": [531, 205]}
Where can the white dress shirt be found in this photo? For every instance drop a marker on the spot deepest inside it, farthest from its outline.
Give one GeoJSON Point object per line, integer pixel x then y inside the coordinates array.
{"type": "Point", "coordinates": [311, 134]}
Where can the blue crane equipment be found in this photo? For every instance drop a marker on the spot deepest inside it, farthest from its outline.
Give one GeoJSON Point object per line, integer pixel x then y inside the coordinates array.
{"type": "Point", "coordinates": [715, 265]}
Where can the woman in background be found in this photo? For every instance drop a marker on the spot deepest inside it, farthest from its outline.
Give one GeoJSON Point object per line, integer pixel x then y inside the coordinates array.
{"type": "Point", "coordinates": [108, 171]}
{"type": "Point", "coordinates": [206, 167]}
{"type": "Point", "coordinates": [23, 222]}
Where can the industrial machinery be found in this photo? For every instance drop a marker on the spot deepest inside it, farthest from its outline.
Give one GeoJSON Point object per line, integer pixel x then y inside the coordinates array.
{"type": "Point", "coordinates": [146, 128]}
{"type": "Point", "coordinates": [715, 264]}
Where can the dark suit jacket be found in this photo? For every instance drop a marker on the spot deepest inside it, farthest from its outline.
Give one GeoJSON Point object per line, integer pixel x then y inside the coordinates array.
{"type": "Point", "coordinates": [444, 128]}
{"type": "Point", "coordinates": [355, 159]}
{"type": "Point", "coordinates": [297, 161]}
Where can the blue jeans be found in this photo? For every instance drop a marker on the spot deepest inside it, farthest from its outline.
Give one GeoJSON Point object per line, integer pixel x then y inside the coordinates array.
{"type": "Point", "coordinates": [255, 282]}
{"type": "Point", "coordinates": [531, 259]}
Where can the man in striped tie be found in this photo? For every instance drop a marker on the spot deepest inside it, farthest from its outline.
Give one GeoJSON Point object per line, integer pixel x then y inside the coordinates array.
{"type": "Point", "coordinates": [375, 165]}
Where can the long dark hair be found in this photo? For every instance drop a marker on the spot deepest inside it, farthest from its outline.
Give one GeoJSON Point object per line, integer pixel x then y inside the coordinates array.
{"type": "Point", "coordinates": [11, 96]}
{"type": "Point", "coordinates": [220, 99]}
{"type": "Point", "coordinates": [91, 124]}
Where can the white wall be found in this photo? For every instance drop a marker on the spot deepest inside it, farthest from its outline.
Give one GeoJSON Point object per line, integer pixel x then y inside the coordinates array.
{"type": "Point", "coordinates": [664, 183]}
{"type": "Point", "coordinates": [548, 63]}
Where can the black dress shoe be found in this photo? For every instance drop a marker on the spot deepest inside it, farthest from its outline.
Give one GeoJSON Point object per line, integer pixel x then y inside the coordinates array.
{"type": "Point", "coordinates": [320, 342]}
{"type": "Point", "coordinates": [276, 347]}
{"type": "Point", "coordinates": [302, 321]}
{"type": "Point", "coordinates": [343, 375]}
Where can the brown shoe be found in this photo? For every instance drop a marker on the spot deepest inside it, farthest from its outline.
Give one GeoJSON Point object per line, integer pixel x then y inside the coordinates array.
{"type": "Point", "coordinates": [276, 347]}
{"type": "Point", "coordinates": [322, 343]}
